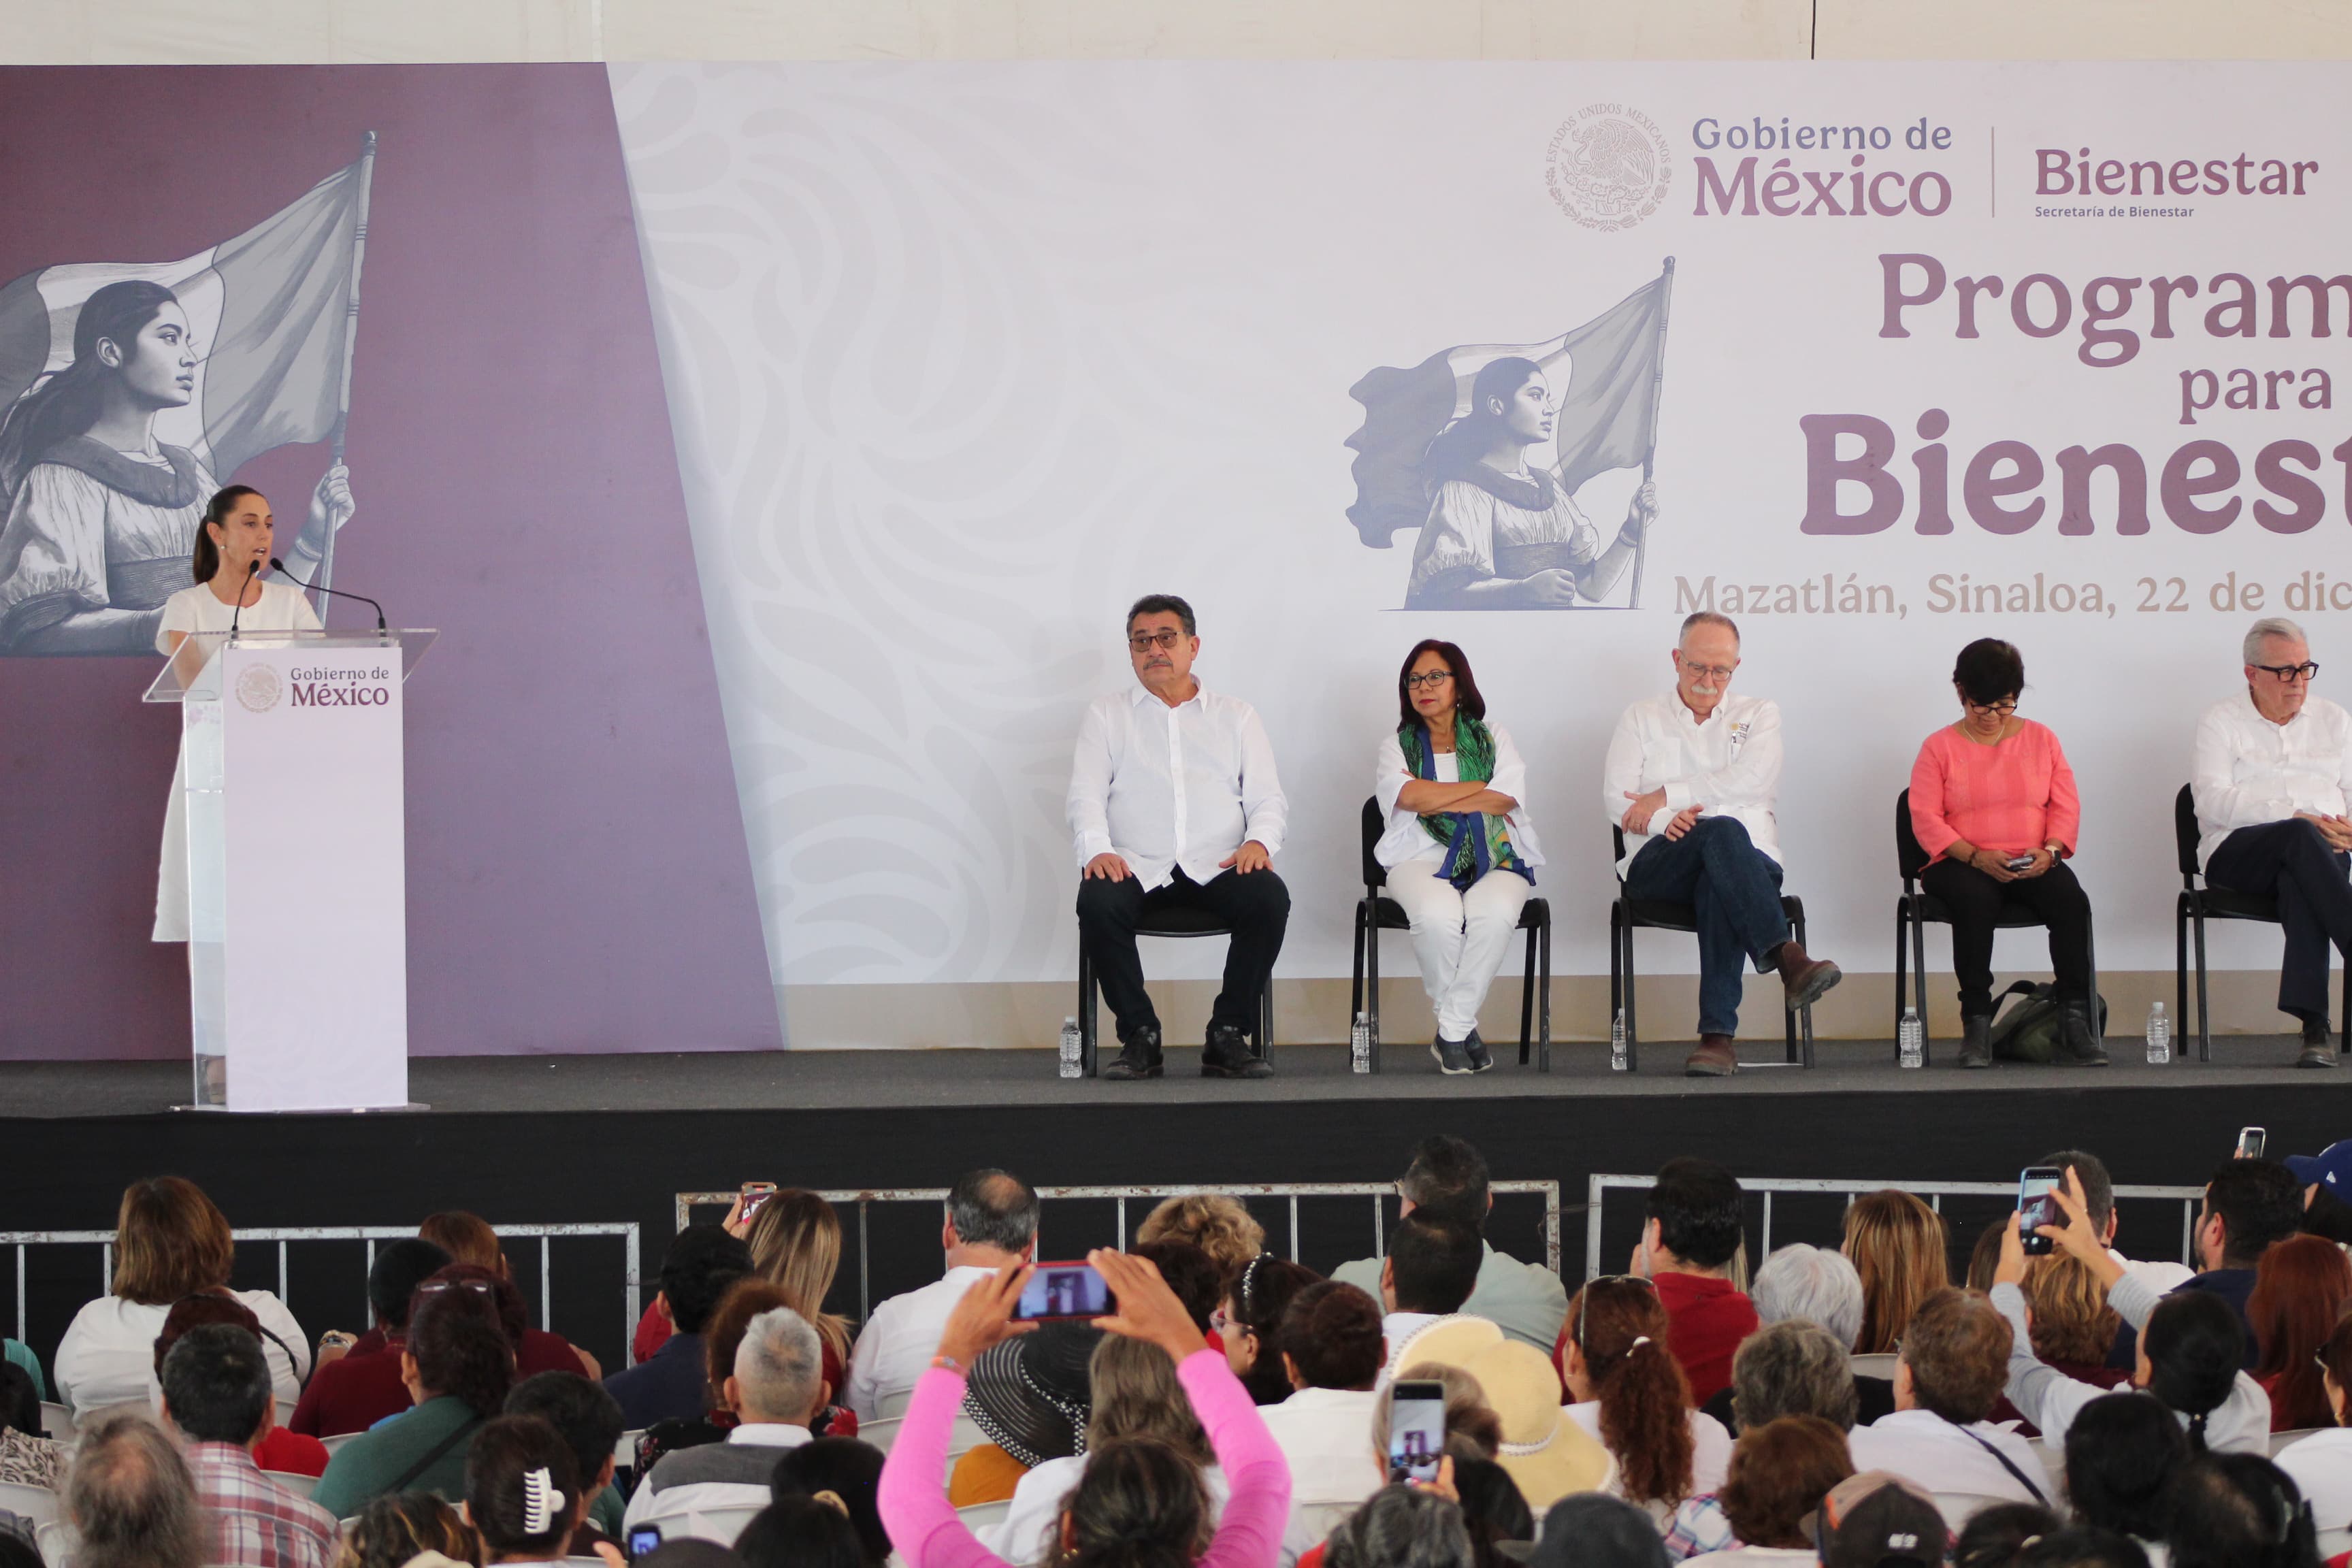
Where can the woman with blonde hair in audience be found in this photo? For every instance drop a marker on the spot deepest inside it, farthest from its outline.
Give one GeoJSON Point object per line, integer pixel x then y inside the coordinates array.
{"type": "Point", "coordinates": [1626, 1389]}
{"type": "Point", "coordinates": [400, 1527]}
{"type": "Point", "coordinates": [2072, 1327]}
{"type": "Point", "coordinates": [1135, 1395]}
{"type": "Point", "coordinates": [1779, 1473]}
{"type": "Point", "coordinates": [1900, 1248]}
{"type": "Point", "coordinates": [170, 1241]}
{"type": "Point", "coordinates": [795, 1241]}
{"type": "Point", "coordinates": [1218, 1225]}
{"type": "Point", "coordinates": [2301, 1286]}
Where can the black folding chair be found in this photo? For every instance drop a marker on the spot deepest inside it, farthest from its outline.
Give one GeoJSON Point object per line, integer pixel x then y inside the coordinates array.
{"type": "Point", "coordinates": [1917, 908]}
{"type": "Point", "coordinates": [1627, 916]}
{"type": "Point", "coordinates": [1178, 923]}
{"type": "Point", "coordinates": [1375, 914]}
{"type": "Point", "coordinates": [2197, 905]}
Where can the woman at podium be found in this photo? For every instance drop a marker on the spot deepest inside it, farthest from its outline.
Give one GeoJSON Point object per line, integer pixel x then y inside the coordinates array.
{"type": "Point", "coordinates": [233, 546]}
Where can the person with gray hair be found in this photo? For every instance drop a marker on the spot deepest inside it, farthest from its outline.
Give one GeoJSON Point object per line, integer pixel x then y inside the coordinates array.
{"type": "Point", "coordinates": [778, 1387]}
{"type": "Point", "coordinates": [1691, 778]}
{"type": "Point", "coordinates": [2272, 787]}
{"type": "Point", "coordinates": [991, 1221]}
{"type": "Point", "coordinates": [1790, 1366]}
{"type": "Point", "coordinates": [1400, 1527]}
{"type": "Point", "coordinates": [1814, 1283]}
{"type": "Point", "coordinates": [132, 1498]}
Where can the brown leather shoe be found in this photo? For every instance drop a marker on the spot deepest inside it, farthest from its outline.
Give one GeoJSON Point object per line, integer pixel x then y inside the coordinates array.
{"type": "Point", "coordinates": [1805, 981]}
{"type": "Point", "coordinates": [1714, 1058]}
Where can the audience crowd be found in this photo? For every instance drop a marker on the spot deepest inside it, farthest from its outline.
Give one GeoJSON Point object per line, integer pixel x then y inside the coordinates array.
{"type": "Point", "coordinates": [2064, 1404]}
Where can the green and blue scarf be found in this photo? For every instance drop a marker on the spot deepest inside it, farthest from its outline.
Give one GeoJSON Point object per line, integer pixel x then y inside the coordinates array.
{"type": "Point", "coordinates": [1475, 842]}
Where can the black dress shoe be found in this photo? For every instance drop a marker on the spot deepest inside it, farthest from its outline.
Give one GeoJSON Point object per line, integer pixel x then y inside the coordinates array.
{"type": "Point", "coordinates": [1227, 1054]}
{"type": "Point", "coordinates": [2319, 1045]}
{"type": "Point", "coordinates": [1137, 1058]}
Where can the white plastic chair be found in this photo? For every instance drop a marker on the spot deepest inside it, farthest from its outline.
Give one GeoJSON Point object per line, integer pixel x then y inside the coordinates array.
{"type": "Point", "coordinates": [720, 1524]}
{"type": "Point", "coordinates": [982, 1516]}
{"type": "Point", "coordinates": [1958, 1508]}
{"type": "Point", "coordinates": [38, 1504]}
{"type": "Point", "coordinates": [338, 1440]}
{"type": "Point", "coordinates": [965, 1437]}
{"type": "Point", "coordinates": [2053, 1464]}
{"type": "Point", "coordinates": [625, 1452]}
{"type": "Point", "coordinates": [57, 1540]}
{"type": "Point", "coordinates": [2280, 1440]}
{"type": "Point", "coordinates": [300, 1486]}
{"type": "Point", "coordinates": [2334, 1544]}
{"type": "Point", "coordinates": [894, 1404]}
{"type": "Point", "coordinates": [58, 1420]}
{"type": "Point", "coordinates": [881, 1433]}
{"type": "Point", "coordinates": [1877, 1365]}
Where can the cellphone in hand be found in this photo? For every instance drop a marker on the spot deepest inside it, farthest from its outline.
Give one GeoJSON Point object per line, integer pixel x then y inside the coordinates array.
{"type": "Point", "coordinates": [754, 1195]}
{"type": "Point", "coordinates": [1416, 1430]}
{"type": "Point", "coordinates": [643, 1539]}
{"type": "Point", "coordinates": [2018, 862]}
{"type": "Point", "coordinates": [2036, 1205]}
{"type": "Point", "coordinates": [2252, 1140]}
{"type": "Point", "coordinates": [1064, 1290]}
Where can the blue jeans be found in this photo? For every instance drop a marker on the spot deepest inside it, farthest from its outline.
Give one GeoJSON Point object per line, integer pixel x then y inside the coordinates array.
{"type": "Point", "coordinates": [1736, 888]}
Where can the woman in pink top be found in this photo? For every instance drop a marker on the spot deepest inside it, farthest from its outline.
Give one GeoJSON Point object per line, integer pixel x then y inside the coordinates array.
{"type": "Point", "coordinates": [1993, 803]}
{"type": "Point", "coordinates": [1139, 1503]}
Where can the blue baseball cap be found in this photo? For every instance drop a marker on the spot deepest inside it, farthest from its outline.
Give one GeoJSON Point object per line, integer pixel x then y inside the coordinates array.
{"type": "Point", "coordinates": [2330, 1168]}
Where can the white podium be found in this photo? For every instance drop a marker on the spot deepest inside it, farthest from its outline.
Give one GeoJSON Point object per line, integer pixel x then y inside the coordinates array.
{"type": "Point", "coordinates": [297, 956]}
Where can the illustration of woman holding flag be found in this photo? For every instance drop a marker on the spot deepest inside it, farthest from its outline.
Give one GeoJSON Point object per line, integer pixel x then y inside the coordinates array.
{"type": "Point", "coordinates": [100, 516]}
{"type": "Point", "coordinates": [1502, 534]}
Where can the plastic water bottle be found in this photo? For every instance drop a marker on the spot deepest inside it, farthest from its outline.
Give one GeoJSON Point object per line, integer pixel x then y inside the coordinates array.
{"type": "Point", "coordinates": [1911, 1040]}
{"type": "Point", "coordinates": [1617, 1062]}
{"type": "Point", "coordinates": [1360, 1044]}
{"type": "Point", "coordinates": [1073, 1049]}
{"type": "Point", "coordinates": [2159, 1036]}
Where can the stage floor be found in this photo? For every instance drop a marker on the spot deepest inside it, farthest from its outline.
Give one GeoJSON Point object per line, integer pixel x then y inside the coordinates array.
{"type": "Point", "coordinates": [852, 1080]}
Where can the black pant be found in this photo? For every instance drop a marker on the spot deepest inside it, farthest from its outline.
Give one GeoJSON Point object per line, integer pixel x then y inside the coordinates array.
{"type": "Point", "coordinates": [1255, 907]}
{"type": "Point", "coordinates": [2291, 861]}
{"type": "Point", "coordinates": [1974, 900]}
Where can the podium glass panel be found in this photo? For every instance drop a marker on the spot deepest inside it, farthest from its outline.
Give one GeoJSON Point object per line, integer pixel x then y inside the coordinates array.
{"type": "Point", "coordinates": [193, 677]}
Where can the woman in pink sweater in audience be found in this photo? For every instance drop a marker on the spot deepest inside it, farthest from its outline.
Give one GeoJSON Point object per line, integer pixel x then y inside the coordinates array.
{"type": "Point", "coordinates": [1139, 1502]}
{"type": "Point", "coordinates": [1993, 805]}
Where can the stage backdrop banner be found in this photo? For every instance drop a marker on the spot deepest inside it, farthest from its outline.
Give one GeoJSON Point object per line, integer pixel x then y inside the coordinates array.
{"type": "Point", "coordinates": [962, 358]}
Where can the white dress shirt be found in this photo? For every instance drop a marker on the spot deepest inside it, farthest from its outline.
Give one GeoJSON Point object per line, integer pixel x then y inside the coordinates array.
{"type": "Point", "coordinates": [2250, 771]}
{"type": "Point", "coordinates": [1711, 1445]}
{"type": "Point", "coordinates": [900, 1341]}
{"type": "Point", "coordinates": [1923, 1447]}
{"type": "Point", "coordinates": [649, 1504]}
{"type": "Point", "coordinates": [2321, 1465]}
{"type": "Point", "coordinates": [1326, 1434]}
{"type": "Point", "coordinates": [1406, 840]}
{"type": "Point", "coordinates": [108, 1356]}
{"type": "Point", "coordinates": [1730, 765]}
{"type": "Point", "coordinates": [1030, 1535]}
{"type": "Point", "coordinates": [1163, 787]}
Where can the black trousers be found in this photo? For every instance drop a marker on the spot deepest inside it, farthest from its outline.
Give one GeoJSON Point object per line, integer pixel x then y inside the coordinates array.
{"type": "Point", "coordinates": [1255, 907]}
{"type": "Point", "coordinates": [1975, 901]}
{"type": "Point", "coordinates": [2291, 862]}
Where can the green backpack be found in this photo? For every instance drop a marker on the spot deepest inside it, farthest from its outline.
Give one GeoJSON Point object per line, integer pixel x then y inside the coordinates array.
{"type": "Point", "coordinates": [2031, 1030]}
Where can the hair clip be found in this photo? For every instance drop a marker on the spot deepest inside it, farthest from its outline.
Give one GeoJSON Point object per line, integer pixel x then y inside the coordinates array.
{"type": "Point", "coordinates": [1249, 1274]}
{"type": "Point", "coordinates": [540, 1502]}
{"type": "Point", "coordinates": [831, 1499]}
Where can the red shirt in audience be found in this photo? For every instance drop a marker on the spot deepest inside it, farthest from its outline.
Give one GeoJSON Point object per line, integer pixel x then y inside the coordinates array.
{"type": "Point", "coordinates": [291, 1454]}
{"type": "Point", "coordinates": [1708, 1320]}
{"type": "Point", "coordinates": [355, 1392]}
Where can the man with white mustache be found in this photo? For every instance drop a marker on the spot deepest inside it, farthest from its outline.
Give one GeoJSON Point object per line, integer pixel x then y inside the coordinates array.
{"type": "Point", "coordinates": [1174, 804]}
{"type": "Point", "coordinates": [1691, 777]}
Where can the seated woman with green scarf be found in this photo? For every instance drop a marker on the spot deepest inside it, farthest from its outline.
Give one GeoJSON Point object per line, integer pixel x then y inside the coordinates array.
{"type": "Point", "coordinates": [1460, 852]}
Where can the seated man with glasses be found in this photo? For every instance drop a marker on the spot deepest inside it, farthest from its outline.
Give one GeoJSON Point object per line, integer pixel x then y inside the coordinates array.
{"type": "Point", "coordinates": [2273, 769]}
{"type": "Point", "coordinates": [1691, 777]}
{"type": "Point", "coordinates": [1174, 804]}
{"type": "Point", "coordinates": [1993, 805]}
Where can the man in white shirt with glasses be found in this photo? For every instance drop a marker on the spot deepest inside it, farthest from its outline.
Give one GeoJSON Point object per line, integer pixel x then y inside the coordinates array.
{"type": "Point", "coordinates": [2274, 771]}
{"type": "Point", "coordinates": [1174, 804]}
{"type": "Point", "coordinates": [1691, 777]}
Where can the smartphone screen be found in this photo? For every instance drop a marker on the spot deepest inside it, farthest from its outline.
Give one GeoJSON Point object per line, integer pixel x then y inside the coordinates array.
{"type": "Point", "coordinates": [2036, 1207]}
{"type": "Point", "coordinates": [1416, 1430]}
{"type": "Point", "coordinates": [1064, 1290]}
{"type": "Point", "coordinates": [643, 1539]}
{"type": "Point", "coordinates": [754, 1195]}
{"type": "Point", "coordinates": [2252, 1140]}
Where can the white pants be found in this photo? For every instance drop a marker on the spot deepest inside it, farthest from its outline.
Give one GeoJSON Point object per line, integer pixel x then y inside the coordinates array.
{"type": "Point", "coordinates": [1460, 938]}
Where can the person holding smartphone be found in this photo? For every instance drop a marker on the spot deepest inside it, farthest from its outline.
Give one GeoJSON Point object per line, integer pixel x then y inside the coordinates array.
{"type": "Point", "coordinates": [1994, 805]}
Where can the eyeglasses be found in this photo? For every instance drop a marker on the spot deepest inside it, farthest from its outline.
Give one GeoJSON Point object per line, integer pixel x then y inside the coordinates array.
{"type": "Point", "coordinates": [1584, 1297]}
{"type": "Point", "coordinates": [1144, 642]}
{"type": "Point", "coordinates": [478, 1287]}
{"type": "Point", "coordinates": [1433, 677]}
{"type": "Point", "coordinates": [2290, 672]}
{"type": "Point", "coordinates": [1715, 672]}
{"type": "Point", "coordinates": [2003, 708]}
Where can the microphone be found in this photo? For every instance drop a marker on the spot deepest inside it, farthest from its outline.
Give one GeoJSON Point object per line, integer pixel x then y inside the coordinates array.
{"type": "Point", "coordinates": [241, 587]}
{"type": "Point", "coordinates": [278, 565]}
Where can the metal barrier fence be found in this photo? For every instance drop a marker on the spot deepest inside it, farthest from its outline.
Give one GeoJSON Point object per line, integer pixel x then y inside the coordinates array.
{"type": "Point", "coordinates": [371, 1234]}
{"type": "Point", "coordinates": [1293, 1191]}
{"type": "Point", "coordinates": [1934, 1192]}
